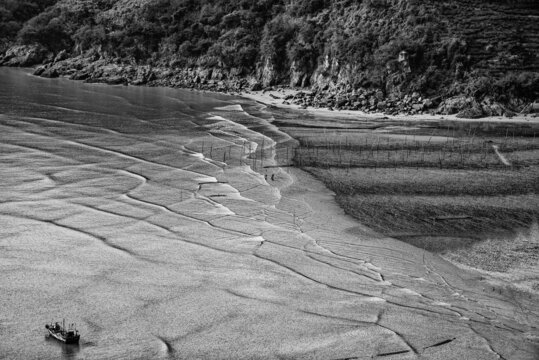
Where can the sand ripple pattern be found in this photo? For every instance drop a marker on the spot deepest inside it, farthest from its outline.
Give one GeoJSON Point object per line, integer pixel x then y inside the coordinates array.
{"type": "Point", "coordinates": [161, 221]}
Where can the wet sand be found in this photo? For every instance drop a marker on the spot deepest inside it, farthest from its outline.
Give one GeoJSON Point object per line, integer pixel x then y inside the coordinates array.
{"type": "Point", "coordinates": [398, 174]}
{"type": "Point", "coordinates": [157, 220]}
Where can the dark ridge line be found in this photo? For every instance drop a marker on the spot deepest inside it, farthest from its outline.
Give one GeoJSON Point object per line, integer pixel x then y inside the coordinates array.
{"type": "Point", "coordinates": [311, 279]}
{"type": "Point", "coordinates": [345, 258]}
{"type": "Point", "coordinates": [393, 353]}
{"type": "Point", "coordinates": [344, 269]}
{"type": "Point", "coordinates": [134, 218]}
{"type": "Point", "coordinates": [212, 162]}
{"type": "Point", "coordinates": [104, 240]}
{"type": "Point", "coordinates": [207, 222]}
{"type": "Point", "coordinates": [354, 321]}
{"type": "Point", "coordinates": [115, 132]}
{"type": "Point", "coordinates": [228, 143]}
{"type": "Point", "coordinates": [115, 152]}
{"type": "Point", "coordinates": [89, 234]}
{"type": "Point", "coordinates": [347, 290]}
{"type": "Point", "coordinates": [170, 348]}
{"type": "Point", "coordinates": [127, 155]}
{"type": "Point", "coordinates": [488, 322]}
{"type": "Point", "coordinates": [66, 109]}
{"type": "Point", "coordinates": [201, 328]}
{"type": "Point", "coordinates": [440, 343]}
{"type": "Point", "coordinates": [36, 121]}
{"type": "Point", "coordinates": [321, 254]}
{"type": "Point", "coordinates": [352, 291]}
{"type": "Point", "coordinates": [432, 270]}
{"type": "Point", "coordinates": [250, 189]}
{"type": "Point", "coordinates": [421, 295]}
{"type": "Point", "coordinates": [230, 232]}
{"type": "Point", "coordinates": [98, 237]}
{"type": "Point", "coordinates": [402, 338]}
{"type": "Point", "coordinates": [453, 288]}
{"type": "Point", "coordinates": [357, 322]}
{"type": "Point", "coordinates": [508, 328]}
{"type": "Point", "coordinates": [278, 166]}
{"type": "Point", "coordinates": [211, 183]}
{"type": "Point", "coordinates": [380, 315]}
{"type": "Point", "coordinates": [49, 153]}
{"type": "Point", "coordinates": [231, 292]}
{"type": "Point", "coordinates": [146, 179]}
{"type": "Point", "coordinates": [265, 124]}
{"type": "Point", "coordinates": [372, 247]}
{"type": "Point", "coordinates": [491, 349]}
{"type": "Point", "coordinates": [351, 258]}
{"type": "Point", "coordinates": [391, 302]}
{"type": "Point", "coordinates": [259, 232]}
{"type": "Point", "coordinates": [384, 257]}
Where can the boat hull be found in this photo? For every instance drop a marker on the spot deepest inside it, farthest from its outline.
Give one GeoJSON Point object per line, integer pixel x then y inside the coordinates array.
{"type": "Point", "coordinates": [68, 340]}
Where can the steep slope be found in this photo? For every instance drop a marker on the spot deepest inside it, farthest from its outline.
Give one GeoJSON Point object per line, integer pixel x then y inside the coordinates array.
{"type": "Point", "coordinates": [484, 51]}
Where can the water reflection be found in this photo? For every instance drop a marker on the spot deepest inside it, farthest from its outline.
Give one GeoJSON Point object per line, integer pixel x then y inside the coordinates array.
{"type": "Point", "coordinates": [69, 351]}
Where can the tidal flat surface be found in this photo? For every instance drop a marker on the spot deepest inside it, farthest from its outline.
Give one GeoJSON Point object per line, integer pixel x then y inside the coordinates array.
{"type": "Point", "coordinates": [466, 190]}
{"type": "Point", "coordinates": [159, 221]}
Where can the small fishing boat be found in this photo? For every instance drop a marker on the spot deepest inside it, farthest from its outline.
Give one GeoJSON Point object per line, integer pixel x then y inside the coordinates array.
{"type": "Point", "coordinates": [59, 332]}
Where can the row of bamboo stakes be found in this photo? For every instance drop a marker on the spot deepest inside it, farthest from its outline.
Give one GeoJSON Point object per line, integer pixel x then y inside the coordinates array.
{"type": "Point", "coordinates": [452, 152]}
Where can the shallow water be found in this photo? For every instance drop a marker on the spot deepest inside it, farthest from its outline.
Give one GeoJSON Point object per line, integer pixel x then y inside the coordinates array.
{"type": "Point", "coordinates": [137, 213]}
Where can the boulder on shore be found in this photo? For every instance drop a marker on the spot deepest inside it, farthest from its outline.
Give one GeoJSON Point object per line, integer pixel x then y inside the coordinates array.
{"type": "Point", "coordinates": [473, 112]}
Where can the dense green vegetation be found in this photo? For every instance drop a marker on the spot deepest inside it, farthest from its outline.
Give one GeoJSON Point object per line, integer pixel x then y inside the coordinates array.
{"type": "Point", "coordinates": [14, 13]}
{"type": "Point", "coordinates": [350, 43]}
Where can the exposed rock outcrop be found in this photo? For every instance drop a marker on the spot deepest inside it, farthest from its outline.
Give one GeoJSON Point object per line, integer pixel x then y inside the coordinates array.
{"type": "Point", "coordinates": [25, 55]}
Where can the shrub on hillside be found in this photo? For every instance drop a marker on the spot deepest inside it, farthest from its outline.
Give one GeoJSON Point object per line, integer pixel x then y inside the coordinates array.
{"type": "Point", "coordinates": [277, 34]}
{"type": "Point", "coordinates": [47, 29]}
{"type": "Point", "coordinates": [13, 14]}
{"type": "Point", "coordinates": [308, 7]}
{"type": "Point", "coordinates": [90, 36]}
{"type": "Point", "coordinates": [522, 85]}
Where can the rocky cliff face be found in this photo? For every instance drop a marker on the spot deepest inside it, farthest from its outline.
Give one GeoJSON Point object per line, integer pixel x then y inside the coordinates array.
{"type": "Point", "coordinates": [481, 56]}
{"type": "Point", "coordinates": [493, 38]}
{"type": "Point", "coordinates": [24, 55]}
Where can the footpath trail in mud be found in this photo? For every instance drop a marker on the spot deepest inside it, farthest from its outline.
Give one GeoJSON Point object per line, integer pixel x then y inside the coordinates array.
{"type": "Point", "coordinates": [159, 222]}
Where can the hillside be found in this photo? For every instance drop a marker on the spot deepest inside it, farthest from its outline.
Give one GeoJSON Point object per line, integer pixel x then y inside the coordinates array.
{"type": "Point", "coordinates": [476, 57]}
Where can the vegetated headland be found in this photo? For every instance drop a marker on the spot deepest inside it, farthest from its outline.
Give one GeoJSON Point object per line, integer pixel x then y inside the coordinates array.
{"type": "Point", "coordinates": [468, 191]}
{"type": "Point", "coordinates": [473, 58]}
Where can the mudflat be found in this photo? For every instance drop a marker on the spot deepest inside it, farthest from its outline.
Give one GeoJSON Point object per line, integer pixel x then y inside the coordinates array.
{"type": "Point", "coordinates": [166, 224]}
{"type": "Point", "coordinates": [466, 190]}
